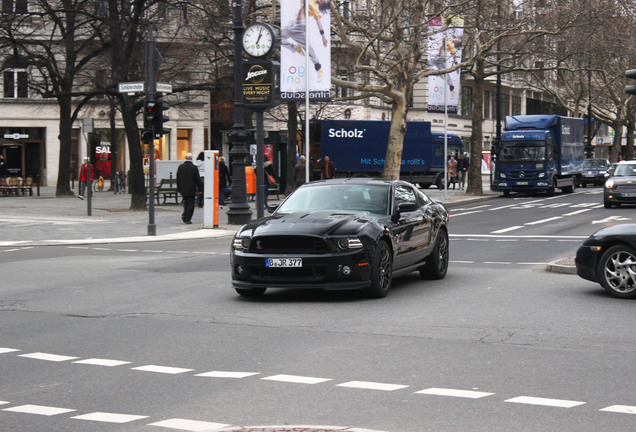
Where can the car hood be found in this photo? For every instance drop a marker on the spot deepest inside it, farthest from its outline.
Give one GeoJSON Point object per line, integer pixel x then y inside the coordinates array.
{"type": "Point", "coordinates": [317, 223]}
{"type": "Point", "coordinates": [624, 231]}
{"type": "Point", "coordinates": [624, 180]}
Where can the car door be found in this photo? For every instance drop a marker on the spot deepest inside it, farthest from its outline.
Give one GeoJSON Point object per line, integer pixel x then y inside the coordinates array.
{"type": "Point", "coordinates": [411, 233]}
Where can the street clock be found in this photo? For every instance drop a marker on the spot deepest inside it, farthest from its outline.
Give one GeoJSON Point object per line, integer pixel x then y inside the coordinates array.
{"type": "Point", "coordinates": [259, 40]}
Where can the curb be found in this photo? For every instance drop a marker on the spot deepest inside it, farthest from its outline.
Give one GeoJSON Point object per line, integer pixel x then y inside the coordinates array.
{"type": "Point", "coordinates": [563, 266]}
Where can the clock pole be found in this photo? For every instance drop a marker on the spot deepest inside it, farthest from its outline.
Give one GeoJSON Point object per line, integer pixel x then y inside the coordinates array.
{"type": "Point", "coordinates": [239, 210]}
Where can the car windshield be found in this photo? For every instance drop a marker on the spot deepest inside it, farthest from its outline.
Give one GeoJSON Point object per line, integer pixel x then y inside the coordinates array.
{"type": "Point", "coordinates": [523, 152]}
{"type": "Point", "coordinates": [595, 163]}
{"type": "Point", "coordinates": [625, 170]}
{"type": "Point", "coordinates": [340, 197]}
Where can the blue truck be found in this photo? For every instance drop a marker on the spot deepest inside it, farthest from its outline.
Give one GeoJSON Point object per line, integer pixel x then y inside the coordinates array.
{"type": "Point", "coordinates": [358, 148]}
{"type": "Point", "coordinates": [540, 153]}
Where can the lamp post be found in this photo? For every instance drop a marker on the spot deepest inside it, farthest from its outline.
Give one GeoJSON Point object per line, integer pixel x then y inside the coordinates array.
{"type": "Point", "coordinates": [239, 210]}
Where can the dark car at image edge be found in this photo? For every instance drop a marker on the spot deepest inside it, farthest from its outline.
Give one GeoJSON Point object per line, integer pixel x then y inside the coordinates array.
{"type": "Point", "coordinates": [608, 257]}
{"type": "Point", "coordinates": [620, 187]}
{"type": "Point", "coordinates": [343, 234]}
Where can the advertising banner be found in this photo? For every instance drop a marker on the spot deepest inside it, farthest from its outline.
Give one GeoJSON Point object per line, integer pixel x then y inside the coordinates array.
{"type": "Point", "coordinates": [444, 51]}
{"type": "Point", "coordinates": [293, 51]}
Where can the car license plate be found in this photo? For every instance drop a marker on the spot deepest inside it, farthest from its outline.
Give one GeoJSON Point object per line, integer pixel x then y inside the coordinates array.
{"type": "Point", "coordinates": [628, 195]}
{"type": "Point", "coordinates": [283, 262]}
{"type": "Point", "coordinates": [522, 183]}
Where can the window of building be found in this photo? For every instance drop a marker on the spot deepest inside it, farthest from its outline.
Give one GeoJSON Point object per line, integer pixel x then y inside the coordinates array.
{"type": "Point", "coordinates": [467, 101]}
{"type": "Point", "coordinates": [516, 105]}
{"type": "Point", "coordinates": [505, 105]}
{"type": "Point", "coordinates": [15, 6]}
{"type": "Point", "coordinates": [184, 143]}
{"type": "Point", "coordinates": [487, 104]}
{"type": "Point", "coordinates": [15, 83]}
{"type": "Point", "coordinates": [342, 92]}
{"type": "Point", "coordinates": [344, 9]}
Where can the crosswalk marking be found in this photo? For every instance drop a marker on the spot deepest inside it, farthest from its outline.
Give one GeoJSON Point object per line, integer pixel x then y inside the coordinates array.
{"type": "Point", "coordinates": [39, 410]}
{"type": "Point", "coordinates": [47, 357]}
{"type": "Point", "coordinates": [470, 394]}
{"type": "Point", "coordinates": [622, 409]}
{"type": "Point", "coordinates": [8, 350]}
{"type": "Point", "coordinates": [109, 417]}
{"type": "Point", "coordinates": [372, 385]}
{"type": "Point", "coordinates": [162, 369]}
{"type": "Point", "coordinates": [296, 379]}
{"type": "Point", "coordinates": [560, 403]}
{"type": "Point", "coordinates": [189, 425]}
{"type": "Point", "coordinates": [222, 374]}
{"type": "Point", "coordinates": [102, 362]}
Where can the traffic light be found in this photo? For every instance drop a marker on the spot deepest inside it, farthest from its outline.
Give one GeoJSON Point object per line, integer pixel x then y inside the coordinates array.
{"type": "Point", "coordinates": [631, 89]}
{"type": "Point", "coordinates": [159, 119]}
{"type": "Point", "coordinates": [147, 135]}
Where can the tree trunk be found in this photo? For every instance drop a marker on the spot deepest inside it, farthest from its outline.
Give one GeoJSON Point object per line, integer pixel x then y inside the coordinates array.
{"type": "Point", "coordinates": [393, 160]}
{"type": "Point", "coordinates": [136, 180]}
{"type": "Point", "coordinates": [474, 186]}
{"type": "Point", "coordinates": [629, 148]}
{"type": "Point", "coordinates": [616, 145]}
{"type": "Point", "coordinates": [64, 162]}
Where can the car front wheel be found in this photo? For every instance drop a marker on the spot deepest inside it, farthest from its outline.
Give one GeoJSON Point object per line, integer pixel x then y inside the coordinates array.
{"type": "Point", "coordinates": [381, 271]}
{"type": "Point", "coordinates": [617, 271]}
{"type": "Point", "coordinates": [437, 262]}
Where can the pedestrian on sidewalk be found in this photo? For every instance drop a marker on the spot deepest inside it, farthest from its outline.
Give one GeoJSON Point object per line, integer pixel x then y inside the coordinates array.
{"type": "Point", "coordinates": [84, 178]}
{"type": "Point", "coordinates": [200, 164]}
{"type": "Point", "coordinates": [299, 171]}
{"type": "Point", "coordinates": [224, 180]}
{"type": "Point", "coordinates": [452, 170]}
{"type": "Point", "coordinates": [188, 184]}
{"type": "Point", "coordinates": [462, 170]}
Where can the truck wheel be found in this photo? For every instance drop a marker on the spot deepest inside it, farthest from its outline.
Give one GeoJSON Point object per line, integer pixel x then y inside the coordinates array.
{"type": "Point", "coordinates": [440, 182]}
{"type": "Point", "coordinates": [425, 185]}
{"type": "Point", "coordinates": [506, 193]}
{"type": "Point", "coordinates": [551, 188]}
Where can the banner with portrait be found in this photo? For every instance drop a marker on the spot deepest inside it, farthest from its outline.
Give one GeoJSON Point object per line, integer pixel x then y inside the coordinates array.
{"type": "Point", "coordinates": [293, 51]}
{"type": "Point", "coordinates": [444, 51]}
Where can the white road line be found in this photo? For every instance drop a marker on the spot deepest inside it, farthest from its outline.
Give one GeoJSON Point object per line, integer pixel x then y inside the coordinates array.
{"type": "Point", "coordinates": [102, 362]}
{"type": "Point", "coordinates": [507, 240]}
{"type": "Point", "coordinates": [3, 402]}
{"type": "Point", "coordinates": [505, 230]}
{"type": "Point", "coordinates": [540, 240]}
{"type": "Point", "coordinates": [544, 220]}
{"type": "Point", "coordinates": [466, 213]}
{"type": "Point", "coordinates": [47, 357]}
{"type": "Point", "coordinates": [8, 350]}
{"type": "Point", "coordinates": [78, 247]}
{"type": "Point", "coordinates": [525, 236]}
{"type": "Point", "coordinates": [152, 251]}
{"type": "Point", "coordinates": [560, 403]}
{"type": "Point", "coordinates": [577, 212]}
{"type": "Point", "coordinates": [222, 374]}
{"type": "Point", "coordinates": [296, 379]}
{"type": "Point", "coordinates": [128, 250]}
{"type": "Point", "coordinates": [189, 425]}
{"type": "Point", "coordinates": [532, 263]}
{"type": "Point", "coordinates": [622, 409]}
{"type": "Point", "coordinates": [162, 369]}
{"type": "Point", "coordinates": [463, 262]}
{"type": "Point", "coordinates": [102, 249]}
{"type": "Point", "coordinates": [39, 410]}
{"type": "Point", "coordinates": [109, 417]}
{"type": "Point", "coordinates": [477, 239]}
{"type": "Point", "coordinates": [372, 385]}
{"type": "Point", "coordinates": [497, 262]}
{"type": "Point", "coordinates": [470, 394]}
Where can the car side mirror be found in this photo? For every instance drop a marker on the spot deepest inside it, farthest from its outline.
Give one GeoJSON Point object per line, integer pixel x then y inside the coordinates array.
{"type": "Point", "coordinates": [404, 207]}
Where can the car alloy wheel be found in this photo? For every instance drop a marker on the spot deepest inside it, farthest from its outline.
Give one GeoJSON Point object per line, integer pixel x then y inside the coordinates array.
{"type": "Point", "coordinates": [381, 271]}
{"type": "Point", "coordinates": [437, 262]}
{"type": "Point", "coordinates": [617, 271]}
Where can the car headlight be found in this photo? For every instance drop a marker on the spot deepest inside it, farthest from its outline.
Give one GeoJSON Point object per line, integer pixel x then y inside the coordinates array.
{"type": "Point", "coordinates": [502, 175]}
{"type": "Point", "coordinates": [349, 243]}
{"type": "Point", "coordinates": [541, 175]}
{"type": "Point", "coordinates": [609, 183]}
{"type": "Point", "coordinates": [602, 173]}
{"type": "Point", "coordinates": [241, 243]}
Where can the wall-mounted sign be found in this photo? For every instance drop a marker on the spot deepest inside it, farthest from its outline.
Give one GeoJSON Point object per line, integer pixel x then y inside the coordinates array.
{"type": "Point", "coordinates": [259, 84]}
{"type": "Point", "coordinates": [16, 136]}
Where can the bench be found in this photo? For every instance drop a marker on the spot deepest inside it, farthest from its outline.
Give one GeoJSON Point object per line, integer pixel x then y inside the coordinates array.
{"type": "Point", "coordinates": [166, 189]}
{"type": "Point", "coordinates": [274, 189]}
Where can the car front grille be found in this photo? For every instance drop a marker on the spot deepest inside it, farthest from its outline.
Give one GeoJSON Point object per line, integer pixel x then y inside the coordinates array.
{"type": "Point", "coordinates": [288, 244]}
{"type": "Point", "coordinates": [307, 273]}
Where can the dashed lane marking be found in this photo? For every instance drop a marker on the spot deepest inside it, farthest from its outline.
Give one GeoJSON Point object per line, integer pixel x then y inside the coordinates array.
{"type": "Point", "coordinates": [560, 403]}
{"type": "Point", "coordinates": [8, 350]}
{"type": "Point", "coordinates": [470, 394]}
{"type": "Point", "coordinates": [622, 409]}
{"type": "Point", "coordinates": [505, 230]}
{"type": "Point", "coordinates": [39, 410]}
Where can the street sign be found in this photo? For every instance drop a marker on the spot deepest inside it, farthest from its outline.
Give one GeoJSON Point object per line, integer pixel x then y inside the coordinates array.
{"type": "Point", "coordinates": [163, 87]}
{"type": "Point", "coordinates": [131, 87]}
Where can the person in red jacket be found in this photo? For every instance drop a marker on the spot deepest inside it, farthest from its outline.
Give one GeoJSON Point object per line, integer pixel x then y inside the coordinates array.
{"type": "Point", "coordinates": [84, 178]}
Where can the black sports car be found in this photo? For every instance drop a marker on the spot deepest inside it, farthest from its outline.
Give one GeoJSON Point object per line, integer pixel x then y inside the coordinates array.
{"type": "Point", "coordinates": [342, 234]}
{"type": "Point", "coordinates": [609, 257]}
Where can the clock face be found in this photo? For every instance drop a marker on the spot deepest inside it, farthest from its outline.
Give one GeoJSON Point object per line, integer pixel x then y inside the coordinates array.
{"type": "Point", "coordinates": [258, 40]}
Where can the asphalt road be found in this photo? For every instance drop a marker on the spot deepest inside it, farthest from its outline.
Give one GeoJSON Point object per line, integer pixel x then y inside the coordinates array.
{"type": "Point", "coordinates": [150, 336]}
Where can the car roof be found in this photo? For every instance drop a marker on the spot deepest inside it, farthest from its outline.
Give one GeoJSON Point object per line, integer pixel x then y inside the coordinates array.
{"type": "Point", "coordinates": [627, 162]}
{"type": "Point", "coordinates": [355, 181]}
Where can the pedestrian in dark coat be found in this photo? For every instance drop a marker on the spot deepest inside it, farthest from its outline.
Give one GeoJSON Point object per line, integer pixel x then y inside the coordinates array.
{"type": "Point", "coordinates": [224, 180]}
{"type": "Point", "coordinates": [299, 171]}
{"type": "Point", "coordinates": [188, 183]}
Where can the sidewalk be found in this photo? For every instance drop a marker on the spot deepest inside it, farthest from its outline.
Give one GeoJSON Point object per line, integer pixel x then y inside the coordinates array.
{"type": "Point", "coordinates": [47, 220]}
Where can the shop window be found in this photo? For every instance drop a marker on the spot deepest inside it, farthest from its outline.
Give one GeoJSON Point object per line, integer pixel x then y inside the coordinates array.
{"type": "Point", "coordinates": [467, 101]}
{"type": "Point", "coordinates": [15, 83]}
{"type": "Point", "coordinates": [184, 143]}
{"type": "Point", "coordinates": [15, 6]}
